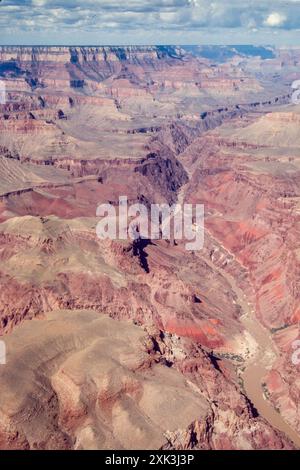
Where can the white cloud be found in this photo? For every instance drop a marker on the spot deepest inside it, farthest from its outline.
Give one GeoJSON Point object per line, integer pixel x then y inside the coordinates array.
{"type": "Point", "coordinates": [39, 3]}
{"type": "Point", "coordinates": [148, 17]}
{"type": "Point", "coordinates": [275, 19]}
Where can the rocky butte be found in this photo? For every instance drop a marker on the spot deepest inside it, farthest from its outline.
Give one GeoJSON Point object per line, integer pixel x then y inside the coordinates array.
{"type": "Point", "coordinates": [116, 344]}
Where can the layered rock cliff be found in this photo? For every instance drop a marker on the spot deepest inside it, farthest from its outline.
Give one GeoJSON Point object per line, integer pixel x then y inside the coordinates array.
{"type": "Point", "coordinates": [98, 331]}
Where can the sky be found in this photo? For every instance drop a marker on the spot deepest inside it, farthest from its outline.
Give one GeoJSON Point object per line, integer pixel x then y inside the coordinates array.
{"type": "Point", "coordinates": [112, 22]}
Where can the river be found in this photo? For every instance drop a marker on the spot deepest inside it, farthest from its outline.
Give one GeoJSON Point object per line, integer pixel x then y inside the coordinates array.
{"type": "Point", "coordinates": [257, 365]}
{"type": "Point", "coordinates": [253, 377]}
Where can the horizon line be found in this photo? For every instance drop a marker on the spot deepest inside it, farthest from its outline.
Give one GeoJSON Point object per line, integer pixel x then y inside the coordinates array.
{"type": "Point", "coordinates": [145, 45]}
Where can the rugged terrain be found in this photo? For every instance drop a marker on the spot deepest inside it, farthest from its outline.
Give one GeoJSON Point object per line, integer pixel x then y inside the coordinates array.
{"type": "Point", "coordinates": [121, 344]}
